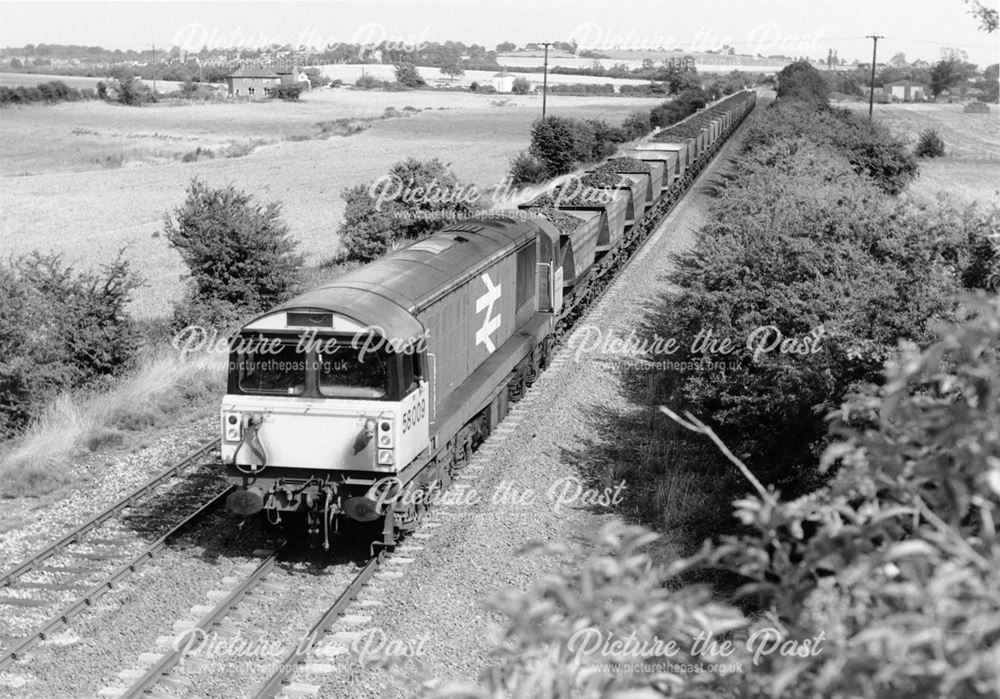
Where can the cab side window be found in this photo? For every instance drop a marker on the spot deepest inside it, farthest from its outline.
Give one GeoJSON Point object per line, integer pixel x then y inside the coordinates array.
{"type": "Point", "coordinates": [410, 373]}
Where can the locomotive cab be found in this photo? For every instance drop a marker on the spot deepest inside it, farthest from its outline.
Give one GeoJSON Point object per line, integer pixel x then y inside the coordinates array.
{"type": "Point", "coordinates": [319, 411]}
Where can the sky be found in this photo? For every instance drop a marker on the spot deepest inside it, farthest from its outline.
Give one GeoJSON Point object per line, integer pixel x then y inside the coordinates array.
{"type": "Point", "coordinates": [917, 28]}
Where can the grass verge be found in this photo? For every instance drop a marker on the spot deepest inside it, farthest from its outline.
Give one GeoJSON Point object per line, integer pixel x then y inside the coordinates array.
{"type": "Point", "coordinates": [76, 424]}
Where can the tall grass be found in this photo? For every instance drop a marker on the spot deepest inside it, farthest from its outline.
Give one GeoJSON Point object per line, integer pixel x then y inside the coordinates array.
{"type": "Point", "coordinates": [76, 424]}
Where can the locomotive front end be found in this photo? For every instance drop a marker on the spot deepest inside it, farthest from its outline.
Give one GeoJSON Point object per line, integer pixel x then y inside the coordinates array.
{"type": "Point", "coordinates": [321, 418]}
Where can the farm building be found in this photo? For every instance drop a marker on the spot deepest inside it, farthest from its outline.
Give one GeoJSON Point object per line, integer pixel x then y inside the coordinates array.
{"type": "Point", "coordinates": [503, 82]}
{"type": "Point", "coordinates": [293, 76]}
{"type": "Point", "coordinates": [905, 90]}
{"type": "Point", "coordinates": [253, 82]}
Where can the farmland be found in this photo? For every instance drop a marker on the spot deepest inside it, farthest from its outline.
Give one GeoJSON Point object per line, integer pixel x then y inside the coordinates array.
{"type": "Point", "coordinates": [85, 179]}
{"type": "Point", "coordinates": [970, 168]}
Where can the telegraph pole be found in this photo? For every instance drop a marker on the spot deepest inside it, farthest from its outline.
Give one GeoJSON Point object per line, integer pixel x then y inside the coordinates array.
{"type": "Point", "coordinates": [545, 75]}
{"type": "Point", "coordinates": [871, 91]}
{"type": "Point", "coordinates": [154, 69]}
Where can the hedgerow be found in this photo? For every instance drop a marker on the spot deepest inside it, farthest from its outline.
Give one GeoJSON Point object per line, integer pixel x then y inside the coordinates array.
{"type": "Point", "coordinates": [885, 582]}
{"type": "Point", "coordinates": [49, 93]}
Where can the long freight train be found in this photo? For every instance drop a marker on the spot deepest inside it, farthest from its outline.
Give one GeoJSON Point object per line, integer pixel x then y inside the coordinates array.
{"type": "Point", "coordinates": [348, 405]}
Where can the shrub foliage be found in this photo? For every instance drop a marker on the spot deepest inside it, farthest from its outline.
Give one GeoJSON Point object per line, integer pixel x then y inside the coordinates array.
{"type": "Point", "coordinates": [60, 329]}
{"type": "Point", "coordinates": [415, 199]}
{"type": "Point", "coordinates": [240, 255]}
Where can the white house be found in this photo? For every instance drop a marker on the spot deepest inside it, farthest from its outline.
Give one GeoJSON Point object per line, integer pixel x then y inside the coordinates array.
{"type": "Point", "coordinates": [503, 82]}
{"type": "Point", "coordinates": [905, 90]}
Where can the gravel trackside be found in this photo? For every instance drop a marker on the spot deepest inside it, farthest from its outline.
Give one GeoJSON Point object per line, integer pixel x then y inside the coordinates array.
{"type": "Point", "coordinates": [27, 525]}
{"type": "Point", "coordinates": [467, 553]}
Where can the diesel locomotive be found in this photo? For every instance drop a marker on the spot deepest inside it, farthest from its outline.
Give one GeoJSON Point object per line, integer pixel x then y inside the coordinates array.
{"type": "Point", "coordinates": [350, 404]}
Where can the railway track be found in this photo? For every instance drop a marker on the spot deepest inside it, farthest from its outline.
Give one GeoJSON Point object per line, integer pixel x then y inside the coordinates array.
{"type": "Point", "coordinates": [298, 654]}
{"type": "Point", "coordinates": [161, 668]}
{"type": "Point", "coordinates": [67, 564]}
{"type": "Point", "coordinates": [177, 667]}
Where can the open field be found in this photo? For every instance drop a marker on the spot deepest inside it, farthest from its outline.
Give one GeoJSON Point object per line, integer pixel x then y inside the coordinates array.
{"type": "Point", "coordinates": [970, 168]}
{"type": "Point", "coordinates": [350, 72]}
{"type": "Point", "coordinates": [85, 179]}
{"type": "Point", "coordinates": [79, 82]}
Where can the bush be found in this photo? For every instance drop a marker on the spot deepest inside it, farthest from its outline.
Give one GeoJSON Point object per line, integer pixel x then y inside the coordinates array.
{"type": "Point", "coordinates": [555, 144]}
{"type": "Point", "coordinates": [60, 330]}
{"type": "Point", "coordinates": [637, 125]}
{"type": "Point", "coordinates": [369, 82]}
{"type": "Point", "coordinates": [683, 105]}
{"type": "Point", "coordinates": [606, 138]}
{"type": "Point", "coordinates": [415, 199]}
{"type": "Point", "coordinates": [870, 147]}
{"type": "Point", "coordinates": [799, 243]}
{"type": "Point", "coordinates": [288, 93]}
{"type": "Point", "coordinates": [845, 579]}
{"type": "Point", "coordinates": [50, 93]}
{"type": "Point", "coordinates": [240, 255]}
{"type": "Point", "coordinates": [930, 145]}
{"type": "Point", "coordinates": [801, 81]}
{"type": "Point", "coordinates": [125, 88]}
{"type": "Point", "coordinates": [520, 86]}
{"type": "Point", "coordinates": [527, 169]}
{"type": "Point", "coordinates": [408, 75]}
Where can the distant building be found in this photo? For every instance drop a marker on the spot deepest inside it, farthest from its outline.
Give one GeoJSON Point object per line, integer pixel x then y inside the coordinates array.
{"type": "Point", "coordinates": [291, 76]}
{"type": "Point", "coordinates": [503, 82]}
{"type": "Point", "coordinates": [255, 83]}
{"type": "Point", "coordinates": [905, 90]}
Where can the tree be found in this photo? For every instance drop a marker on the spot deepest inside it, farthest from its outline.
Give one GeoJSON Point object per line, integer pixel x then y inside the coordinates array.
{"type": "Point", "coordinates": [189, 89]}
{"type": "Point", "coordinates": [898, 60]}
{"type": "Point", "coordinates": [127, 89]}
{"type": "Point", "coordinates": [241, 257]}
{"type": "Point", "coordinates": [452, 69]}
{"type": "Point", "coordinates": [801, 81]}
{"type": "Point", "coordinates": [554, 142]}
{"type": "Point", "coordinates": [407, 74]}
{"type": "Point", "coordinates": [987, 16]}
{"type": "Point", "coordinates": [16, 63]}
{"type": "Point", "coordinates": [950, 71]}
{"type": "Point", "coordinates": [506, 47]}
{"type": "Point", "coordinates": [520, 86]}
{"type": "Point", "coordinates": [316, 78]}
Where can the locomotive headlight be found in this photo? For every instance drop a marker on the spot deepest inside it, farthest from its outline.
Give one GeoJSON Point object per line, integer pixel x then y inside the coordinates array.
{"type": "Point", "coordinates": [385, 434]}
{"type": "Point", "coordinates": [385, 457]}
{"type": "Point", "coordinates": [232, 427]}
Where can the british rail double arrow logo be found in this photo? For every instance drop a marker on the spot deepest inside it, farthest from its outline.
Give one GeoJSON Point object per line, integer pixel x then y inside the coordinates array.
{"type": "Point", "coordinates": [490, 323]}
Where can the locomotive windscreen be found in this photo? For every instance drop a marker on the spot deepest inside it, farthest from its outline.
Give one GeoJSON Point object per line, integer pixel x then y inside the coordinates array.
{"type": "Point", "coordinates": [327, 368]}
{"type": "Point", "coordinates": [280, 370]}
{"type": "Point", "coordinates": [345, 374]}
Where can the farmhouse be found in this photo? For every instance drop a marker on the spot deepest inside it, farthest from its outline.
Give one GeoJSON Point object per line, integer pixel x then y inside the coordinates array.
{"type": "Point", "coordinates": [905, 90]}
{"type": "Point", "coordinates": [253, 82]}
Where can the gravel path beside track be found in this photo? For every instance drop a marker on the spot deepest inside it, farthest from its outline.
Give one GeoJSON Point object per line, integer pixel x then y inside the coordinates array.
{"type": "Point", "coordinates": [27, 525]}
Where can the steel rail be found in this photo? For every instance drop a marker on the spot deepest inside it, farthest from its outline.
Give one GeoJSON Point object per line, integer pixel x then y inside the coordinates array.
{"type": "Point", "coordinates": [77, 534]}
{"type": "Point", "coordinates": [168, 660]}
{"type": "Point", "coordinates": [109, 582]}
{"type": "Point", "coordinates": [299, 653]}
